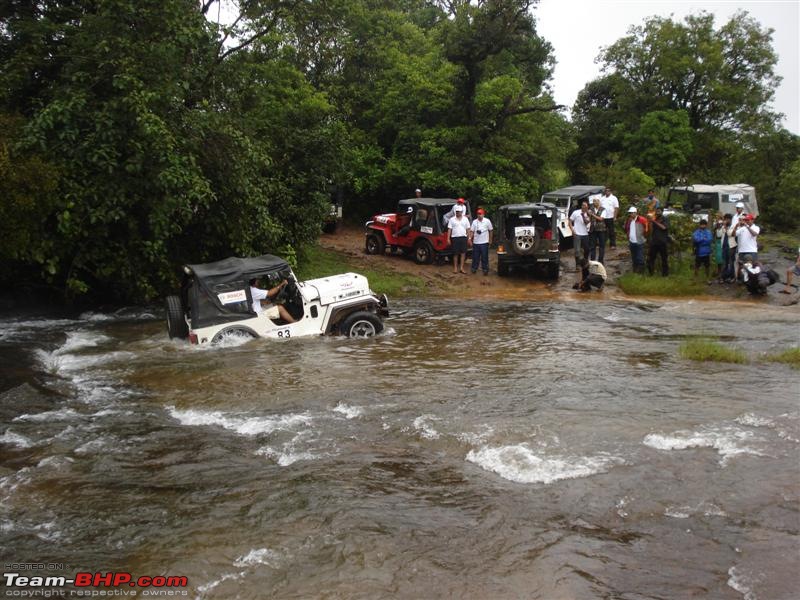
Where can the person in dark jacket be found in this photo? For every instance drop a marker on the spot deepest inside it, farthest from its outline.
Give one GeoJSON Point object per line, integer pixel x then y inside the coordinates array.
{"type": "Point", "coordinates": [702, 238]}
{"type": "Point", "coordinates": [659, 239]}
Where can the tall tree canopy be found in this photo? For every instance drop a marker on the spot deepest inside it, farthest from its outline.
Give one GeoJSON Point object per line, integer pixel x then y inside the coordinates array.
{"type": "Point", "coordinates": [677, 98]}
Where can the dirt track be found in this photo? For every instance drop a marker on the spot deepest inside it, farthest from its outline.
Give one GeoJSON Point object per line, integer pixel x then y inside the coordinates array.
{"type": "Point", "coordinates": [441, 281]}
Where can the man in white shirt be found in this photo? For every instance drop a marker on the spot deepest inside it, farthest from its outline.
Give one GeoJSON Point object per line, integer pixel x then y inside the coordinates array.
{"type": "Point", "coordinates": [747, 240]}
{"type": "Point", "coordinates": [457, 231]}
{"type": "Point", "coordinates": [272, 311]}
{"type": "Point", "coordinates": [738, 214]}
{"type": "Point", "coordinates": [579, 222]}
{"type": "Point", "coordinates": [452, 212]}
{"type": "Point", "coordinates": [610, 205]}
{"type": "Point", "coordinates": [481, 232]}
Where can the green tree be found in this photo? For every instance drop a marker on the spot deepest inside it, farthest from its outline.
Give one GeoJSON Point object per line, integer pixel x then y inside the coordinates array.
{"type": "Point", "coordinates": [662, 144]}
{"type": "Point", "coordinates": [721, 79]}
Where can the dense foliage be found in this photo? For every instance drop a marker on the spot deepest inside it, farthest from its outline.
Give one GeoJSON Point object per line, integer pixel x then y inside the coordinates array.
{"type": "Point", "coordinates": [685, 101]}
{"type": "Point", "coordinates": [139, 135]}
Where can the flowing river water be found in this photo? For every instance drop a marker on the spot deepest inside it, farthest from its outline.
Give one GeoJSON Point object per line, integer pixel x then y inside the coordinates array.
{"type": "Point", "coordinates": [474, 450]}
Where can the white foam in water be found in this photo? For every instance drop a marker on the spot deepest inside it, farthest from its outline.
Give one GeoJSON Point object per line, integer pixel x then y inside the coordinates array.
{"type": "Point", "coordinates": [15, 439]}
{"type": "Point", "coordinates": [350, 412]}
{"type": "Point", "coordinates": [752, 420]}
{"type": "Point", "coordinates": [521, 464]}
{"type": "Point", "coordinates": [422, 424]}
{"type": "Point", "coordinates": [249, 426]}
{"type": "Point", "coordinates": [727, 441]}
{"type": "Point", "coordinates": [741, 583]}
{"type": "Point", "coordinates": [287, 455]}
{"type": "Point", "coordinates": [262, 556]}
{"type": "Point", "coordinates": [62, 414]}
{"type": "Point", "coordinates": [205, 588]}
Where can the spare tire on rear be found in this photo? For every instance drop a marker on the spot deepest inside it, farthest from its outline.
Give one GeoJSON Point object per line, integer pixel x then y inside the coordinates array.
{"type": "Point", "coordinates": [176, 323]}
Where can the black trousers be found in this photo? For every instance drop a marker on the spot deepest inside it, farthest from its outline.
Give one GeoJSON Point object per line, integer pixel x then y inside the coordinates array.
{"type": "Point", "coordinates": [610, 233]}
{"type": "Point", "coordinates": [656, 250]}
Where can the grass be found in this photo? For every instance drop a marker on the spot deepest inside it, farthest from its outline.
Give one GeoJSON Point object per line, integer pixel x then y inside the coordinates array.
{"type": "Point", "coordinates": [706, 350]}
{"type": "Point", "coordinates": [791, 357]}
{"type": "Point", "coordinates": [318, 262]}
{"type": "Point", "coordinates": [680, 282]}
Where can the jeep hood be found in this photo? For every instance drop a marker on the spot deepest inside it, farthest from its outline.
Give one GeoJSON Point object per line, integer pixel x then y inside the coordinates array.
{"type": "Point", "coordinates": [336, 288]}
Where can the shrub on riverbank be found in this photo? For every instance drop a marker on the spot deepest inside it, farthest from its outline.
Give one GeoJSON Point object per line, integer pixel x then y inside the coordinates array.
{"type": "Point", "coordinates": [705, 350]}
{"type": "Point", "coordinates": [314, 262]}
{"type": "Point", "coordinates": [791, 357]}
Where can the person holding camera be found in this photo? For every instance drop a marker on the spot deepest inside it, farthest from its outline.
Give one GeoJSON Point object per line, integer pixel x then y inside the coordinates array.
{"type": "Point", "coordinates": [747, 240]}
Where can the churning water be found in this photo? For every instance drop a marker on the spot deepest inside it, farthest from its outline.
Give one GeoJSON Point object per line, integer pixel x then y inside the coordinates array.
{"type": "Point", "coordinates": [474, 450]}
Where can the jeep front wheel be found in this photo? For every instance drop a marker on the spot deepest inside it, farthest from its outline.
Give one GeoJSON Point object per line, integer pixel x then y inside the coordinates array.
{"type": "Point", "coordinates": [361, 324]}
{"type": "Point", "coordinates": [423, 253]}
{"type": "Point", "coordinates": [375, 244]}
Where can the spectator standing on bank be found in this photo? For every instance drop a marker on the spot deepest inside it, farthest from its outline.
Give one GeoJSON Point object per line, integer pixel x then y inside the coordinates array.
{"type": "Point", "coordinates": [611, 210]}
{"type": "Point", "coordinates": [747, 239]}
{"type": "Point", "coordinates": [728, 253]}
{"type": "Point", "coordinates": [457, 229]}
{"type": "Point", "coordinates": [452, 212]}
{"type": "Point", "coordinates": [719, 235]}
{"type": "Point", "coordinates": [730, 272]}
{"type": "Point", "coordinates": [659, 240]}
{"type": "Point", "coordinates": [597, 231]}
{"type": "Point", "coordinates": [636, 230]}
{"type": "Point", "coordinates": [579, 222]}
{"type": "Point", "coordinates": [418, 193]}
{"type": "Point", "coordinates": [480, 233]}
{"type": "Point", "coordinates": [702, 239]}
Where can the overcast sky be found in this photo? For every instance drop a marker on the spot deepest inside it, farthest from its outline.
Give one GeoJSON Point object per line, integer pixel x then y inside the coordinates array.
{"type": "Point", "coordinates": [577, 29]}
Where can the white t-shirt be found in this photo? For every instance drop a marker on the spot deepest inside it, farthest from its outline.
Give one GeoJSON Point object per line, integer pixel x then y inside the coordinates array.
{"type": "Point", "coordinates": [258, 295]}
{"type": "Point", "coordinates": [480, 229]}
{"type": "Point", "coordinates": [736, 217]}
{"type": "Point", "coordinates": [458, 227]}
{"type": "Point", "coordinates": [610, 203]}
{"type": "Point", "coordinates": [746, 241]}
{"type": "Point", "coordinates": [578, 223]}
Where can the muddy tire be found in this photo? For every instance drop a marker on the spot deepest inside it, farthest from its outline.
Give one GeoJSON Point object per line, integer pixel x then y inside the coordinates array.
{"type": "Point", "coordinates": [502, 269]}
{"type": "Point", "coordinates": [361, 324]}
{"type": "Point", "coordinates": [176, 323]}
{"type": "Point", "coordinates": [553, 271]}
{"type": "Point", "coordinates": [423, 252]}
{"type": "Point", "coordinates": [375, 244]}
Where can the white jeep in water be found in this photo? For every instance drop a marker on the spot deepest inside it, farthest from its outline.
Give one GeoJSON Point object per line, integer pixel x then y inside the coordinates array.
{"type": "Point", "coordinates": [216, 301]}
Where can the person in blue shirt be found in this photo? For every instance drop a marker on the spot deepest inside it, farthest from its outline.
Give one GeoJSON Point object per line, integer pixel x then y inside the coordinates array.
{"type": "Point", "coordinates": [702, 239]}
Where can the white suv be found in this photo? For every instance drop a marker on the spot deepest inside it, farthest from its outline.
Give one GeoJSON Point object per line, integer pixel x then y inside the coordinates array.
{"type": "Point", "coordinates": [215, 302]}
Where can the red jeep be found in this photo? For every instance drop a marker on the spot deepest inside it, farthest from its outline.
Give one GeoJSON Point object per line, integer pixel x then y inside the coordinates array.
{"type": "Point", "coordinates": [418, 226]}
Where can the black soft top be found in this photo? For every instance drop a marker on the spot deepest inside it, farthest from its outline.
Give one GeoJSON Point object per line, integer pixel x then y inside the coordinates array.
{"type": "Point", "coordinates": [529, 206]}
{"type": "Point", "coordinates": [235, 268]}
{"type": "Point", "coordinates": [205, 283]}
{"type": "Point", "coordinates": [577, 191]}
{"type": "Point", "coordinates": [429, 202]}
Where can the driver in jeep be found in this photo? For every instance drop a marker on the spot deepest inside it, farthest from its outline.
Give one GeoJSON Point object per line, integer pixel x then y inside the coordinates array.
{"type": "Point", "coordinates": [273, 311]}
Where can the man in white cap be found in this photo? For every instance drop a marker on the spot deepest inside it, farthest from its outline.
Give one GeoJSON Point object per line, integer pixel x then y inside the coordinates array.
{"type": "Point", "coordinates": [739, 214]}
{"type": "Point", "coordinates": [457, 232]}
{"type": "Point", "coordinates": [452, 212]}
{"type": "Point", "coordinates": [418, 192]}
{"type": "Point", "coordinates": [636, 228]}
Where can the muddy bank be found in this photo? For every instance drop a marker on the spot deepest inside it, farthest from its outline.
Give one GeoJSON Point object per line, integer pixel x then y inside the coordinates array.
{"type": "Point", "coordinates": [440, 281]}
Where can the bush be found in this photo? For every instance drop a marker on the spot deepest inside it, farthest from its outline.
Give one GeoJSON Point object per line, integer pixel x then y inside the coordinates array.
{"type": "Point", "coordinates": [706, 350]}
{"type": "Point", "coordinates": [791, 357]}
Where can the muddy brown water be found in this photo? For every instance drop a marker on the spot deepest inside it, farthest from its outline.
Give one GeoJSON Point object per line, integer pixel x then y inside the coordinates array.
{"type": "Point", "coordinates": [481, 449]}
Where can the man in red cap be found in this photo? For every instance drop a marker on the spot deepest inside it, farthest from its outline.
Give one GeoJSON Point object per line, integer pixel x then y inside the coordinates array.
{"type": "Point", "coordinates": [480, 235]}
{"type": "Point", "coordinates": [452, 212]}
